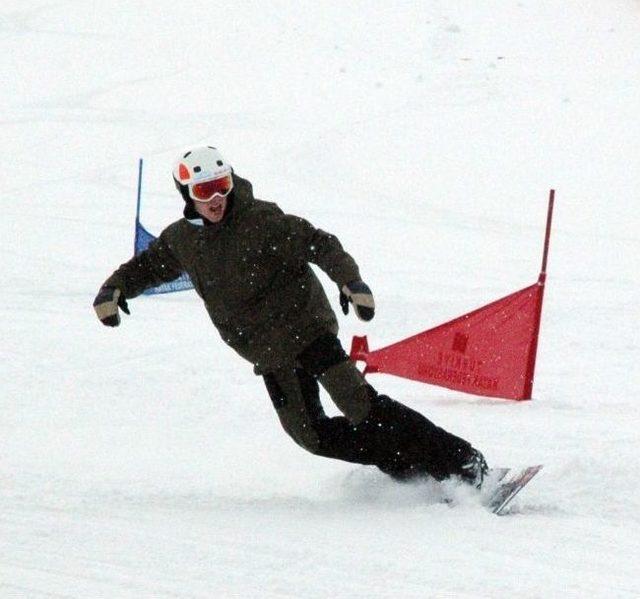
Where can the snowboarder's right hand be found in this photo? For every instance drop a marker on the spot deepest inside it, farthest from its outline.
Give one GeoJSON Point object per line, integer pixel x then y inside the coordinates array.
{"type": "Point", "coordinates": [106, 305]}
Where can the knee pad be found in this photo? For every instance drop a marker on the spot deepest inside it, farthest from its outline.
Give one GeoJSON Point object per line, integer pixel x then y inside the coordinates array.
{"type": "Point", "coordinates": [349, 391]}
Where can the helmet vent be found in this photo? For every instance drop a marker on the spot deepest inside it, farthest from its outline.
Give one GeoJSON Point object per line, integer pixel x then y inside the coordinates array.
{"type": "Point", "coordinates": [220, 163]}
{"type": "Point", "coordinates": [196, 169]}
{"type": "Point", "coordinates": [187, 154]}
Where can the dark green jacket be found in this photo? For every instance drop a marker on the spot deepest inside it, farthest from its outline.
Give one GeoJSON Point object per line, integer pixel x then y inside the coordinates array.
{"type": "Point", "coordinates": [252, 272]}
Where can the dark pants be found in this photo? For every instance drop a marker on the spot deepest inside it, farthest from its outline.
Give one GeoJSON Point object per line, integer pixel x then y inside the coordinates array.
{"type": "Point", "coordinates": [374, 430]}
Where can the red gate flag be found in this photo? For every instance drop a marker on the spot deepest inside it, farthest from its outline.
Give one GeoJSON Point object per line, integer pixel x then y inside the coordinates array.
{"type": "Point", "coordinates": [490, 351]}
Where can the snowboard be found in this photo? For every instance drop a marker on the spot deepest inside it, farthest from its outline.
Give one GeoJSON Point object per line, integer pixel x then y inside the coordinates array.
{"type": "Point", "coordinates": [503, 484]}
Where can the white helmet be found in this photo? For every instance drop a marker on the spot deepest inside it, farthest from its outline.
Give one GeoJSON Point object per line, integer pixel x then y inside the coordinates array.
{"type": "Point", "coordinates": [197, 166]}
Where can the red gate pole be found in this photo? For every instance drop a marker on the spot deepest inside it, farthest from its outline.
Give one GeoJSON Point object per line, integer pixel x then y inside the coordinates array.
{"type": "Point", "coordinates": [545, 255]}
{"type": "Point", "coordinates": [533, 349]}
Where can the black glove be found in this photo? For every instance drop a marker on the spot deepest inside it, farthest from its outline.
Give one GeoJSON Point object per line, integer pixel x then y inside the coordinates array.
{"type": "Point", "coordinates": [359, 294]}
{"type": "Point", "coordinates": [106, 305]}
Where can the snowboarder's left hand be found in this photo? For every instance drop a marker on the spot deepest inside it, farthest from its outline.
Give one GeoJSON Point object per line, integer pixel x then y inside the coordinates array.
{"type": "Point", "coordinates": [359, 294]}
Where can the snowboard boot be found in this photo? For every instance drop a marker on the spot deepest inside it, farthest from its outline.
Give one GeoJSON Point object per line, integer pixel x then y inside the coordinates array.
{"type": "Point", "coordinates": [474, 468]}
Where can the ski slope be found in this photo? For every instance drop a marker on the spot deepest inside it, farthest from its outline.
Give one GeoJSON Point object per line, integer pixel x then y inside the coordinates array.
{"type": "Point", "coordinates": [147, 461]}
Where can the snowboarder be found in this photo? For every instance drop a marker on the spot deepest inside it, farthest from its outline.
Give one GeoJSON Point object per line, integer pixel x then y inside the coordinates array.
{"type": "Point", "coordinates": [249, 262]}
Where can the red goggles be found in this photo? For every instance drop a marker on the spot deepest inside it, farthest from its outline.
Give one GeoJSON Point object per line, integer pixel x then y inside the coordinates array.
{"type": "Point", "coordinates": [205, 191]}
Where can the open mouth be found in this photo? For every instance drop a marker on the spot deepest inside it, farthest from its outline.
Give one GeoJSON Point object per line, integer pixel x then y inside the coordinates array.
{"type": "Point", "coordinates": [212, 209]}
{"type": "Point", "coordinates": [215, 210]}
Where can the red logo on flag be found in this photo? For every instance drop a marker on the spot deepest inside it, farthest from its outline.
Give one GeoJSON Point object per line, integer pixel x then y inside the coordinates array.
{"type": "Point", "coordinates": [460, 341]}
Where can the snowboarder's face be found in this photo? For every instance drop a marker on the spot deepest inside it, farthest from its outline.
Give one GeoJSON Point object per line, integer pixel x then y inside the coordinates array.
{"type": "Point", "coordinates": [213, 210]}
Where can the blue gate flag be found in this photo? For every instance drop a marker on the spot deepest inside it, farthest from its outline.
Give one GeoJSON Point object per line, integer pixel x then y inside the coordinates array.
{"type": "Point", "coordinates": [182, 283]}
{"type": "Point", "coordinates": [142, 240]}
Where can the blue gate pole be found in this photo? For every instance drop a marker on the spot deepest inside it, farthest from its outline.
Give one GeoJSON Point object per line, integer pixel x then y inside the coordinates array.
{"type": "Point", "coordinates": [135, 238]}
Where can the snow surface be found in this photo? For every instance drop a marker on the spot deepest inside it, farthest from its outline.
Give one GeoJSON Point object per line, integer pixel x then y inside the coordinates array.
{"type": "Point", "coordinates": [147, 461]}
